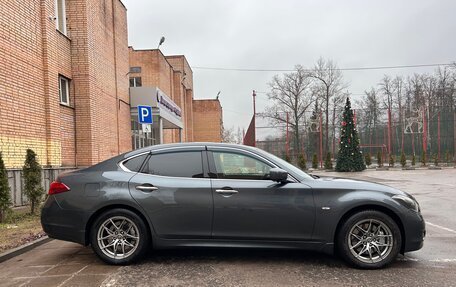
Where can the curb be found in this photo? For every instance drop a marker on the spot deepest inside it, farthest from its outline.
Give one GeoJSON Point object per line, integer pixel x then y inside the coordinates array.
{"type": "Point", "coordinates": [24, 248]}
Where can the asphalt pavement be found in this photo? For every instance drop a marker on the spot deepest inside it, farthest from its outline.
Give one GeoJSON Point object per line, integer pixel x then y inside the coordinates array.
{"type": "Point", "coordinates": [59, 263]}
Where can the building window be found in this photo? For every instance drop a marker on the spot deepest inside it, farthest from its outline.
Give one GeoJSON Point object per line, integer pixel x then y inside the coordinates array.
{"type": "Point", "coordinates": [135, 69]}
{"type": "Point", "coordinates": [135, 82]}
{"type": "Point", "coordinates": [61, 16]}
{"type": "Point", "coordinates": [64, 90]}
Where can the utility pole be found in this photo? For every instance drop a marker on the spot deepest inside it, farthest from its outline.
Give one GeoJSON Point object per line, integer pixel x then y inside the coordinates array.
{"type": "Point", "coordinates": [287, 140]}
{"type": "Point", "coordinates": [321, 141]}
{"type": "Point", "coordinates": [254, 117]}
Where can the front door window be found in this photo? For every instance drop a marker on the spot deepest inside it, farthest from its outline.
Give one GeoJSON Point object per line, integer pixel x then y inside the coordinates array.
{"type": "Point", "coordinates": [239, 166]}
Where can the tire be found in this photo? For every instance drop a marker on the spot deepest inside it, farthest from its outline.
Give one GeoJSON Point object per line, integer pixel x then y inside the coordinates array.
{"type": "Point", "coordinates": [119, 237]}
{"type": "Point", "coordinates": [369, 239]}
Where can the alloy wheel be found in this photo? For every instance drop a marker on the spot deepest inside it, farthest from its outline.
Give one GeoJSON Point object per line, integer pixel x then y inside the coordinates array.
{"type": "Point", "coordinates": [370, 240]}
{"type": "Point", "coordinates": [118, 237]}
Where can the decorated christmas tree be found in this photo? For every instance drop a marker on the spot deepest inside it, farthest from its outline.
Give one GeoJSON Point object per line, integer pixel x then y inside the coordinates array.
{"type": "Point", "coordinates": [350, 157]}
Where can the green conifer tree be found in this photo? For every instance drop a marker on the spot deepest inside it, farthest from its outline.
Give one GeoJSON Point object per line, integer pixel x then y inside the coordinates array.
{"type": "Point", "coordinates": [368, 159]}
{"type": "Point", "coordinates": [379, 159]}
{"type": "Point", "coordinates": [403, 160]}
{"type": "Point", "coordinates": [5, 197]}
{"type": "Point", "coordinates": [423, 158]}
{"type": "Point", "coordinates": [392, 160]}
{"type": "Point", "coordinates": [350, 157]}
{"type": "Point", "coordinates": [314, 161]}
{"type": "Point", "coordinates": [328, 161]}
{"type": "Point", "coordinates": [32, 180]}
{"type": "Point", "coordinates": [302, 161]}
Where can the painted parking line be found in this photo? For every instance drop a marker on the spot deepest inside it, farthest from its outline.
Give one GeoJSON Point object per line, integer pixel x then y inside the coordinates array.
{"type": "Point", "coordinates": [441, 227]}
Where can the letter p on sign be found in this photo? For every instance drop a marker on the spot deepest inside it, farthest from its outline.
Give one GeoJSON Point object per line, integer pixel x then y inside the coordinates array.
{"type": "Point", "coordinates": [145, 115]}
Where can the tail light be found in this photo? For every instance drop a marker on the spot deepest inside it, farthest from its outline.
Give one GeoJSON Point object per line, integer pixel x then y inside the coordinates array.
{"type": "Point", "coordinates": [57, 187]}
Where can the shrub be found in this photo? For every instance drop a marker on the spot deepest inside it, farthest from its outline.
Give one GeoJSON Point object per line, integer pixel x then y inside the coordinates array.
{"type": "Point", "coordinates": [403, 160]}
{"type": "Point", "coordinates": [447, 156]}
{"type": "Point", "coordinates": [328, 161]}
{"type": "Point", "coordinates": [287, 158]}
{"type": "Point", "coordinates": [32, 180]}
{"type": "Point", "coordinates": [379, 159]}
{"type": "Point", "coordinates": [436, 160]}
{"type": "Point", "coordinates": [368, 159]}
{"type": "Point", "coordinates": [5, 197]}
{"type": "Point", "coordinates": [423, 158]}
{"type": "Point", "coordinates": [391, 161]}
{"type": "Point", "coordinates": [302, 161]}
{"type": "Point", "coordinates": [413, 160]}
{"type": "Point", "coordinates": [314, 161]}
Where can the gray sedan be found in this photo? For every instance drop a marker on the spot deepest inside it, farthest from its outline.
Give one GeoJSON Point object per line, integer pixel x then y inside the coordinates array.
{"type": "Point", "coordinates": [222, 195]}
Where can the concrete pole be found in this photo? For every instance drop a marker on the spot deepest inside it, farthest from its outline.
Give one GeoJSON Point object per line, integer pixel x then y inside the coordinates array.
{"type": "Point", "coordinates": [161, 130]}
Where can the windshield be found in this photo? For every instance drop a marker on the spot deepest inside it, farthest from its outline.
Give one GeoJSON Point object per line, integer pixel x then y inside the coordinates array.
{"type": "Point", "coordinates": [288, 166]}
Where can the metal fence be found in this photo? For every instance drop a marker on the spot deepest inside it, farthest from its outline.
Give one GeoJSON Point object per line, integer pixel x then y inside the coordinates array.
{"type": "Point", "coordinates": [16, 183]}
{"type": "Point", "coordinates": [390, 132]}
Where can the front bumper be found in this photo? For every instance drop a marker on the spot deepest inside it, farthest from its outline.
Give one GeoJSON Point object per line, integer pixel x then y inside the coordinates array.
{"type": "Point", "coordinates": [414, 231]}
{"type": "Point", "coordinates": [59, 223]}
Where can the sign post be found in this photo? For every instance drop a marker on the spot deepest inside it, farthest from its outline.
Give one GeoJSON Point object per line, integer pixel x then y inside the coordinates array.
{"type": "Point", "coordinates": [145, 118]}
{"type": "Point", "coordinates": [145, 115]}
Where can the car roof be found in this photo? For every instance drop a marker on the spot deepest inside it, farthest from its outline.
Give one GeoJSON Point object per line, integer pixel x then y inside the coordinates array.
{"type": "Point", "coordinates": [187, 144]}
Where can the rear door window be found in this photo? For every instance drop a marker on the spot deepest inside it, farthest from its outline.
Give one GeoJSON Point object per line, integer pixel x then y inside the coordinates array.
{"type": "Point", "coordinates": [176, 164]}
{"type": "Point", "coordinates": [134, 164]}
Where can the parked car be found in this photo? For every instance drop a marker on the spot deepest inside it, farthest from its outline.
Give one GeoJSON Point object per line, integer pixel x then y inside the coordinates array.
{"type": "Point", "coordinates": [224, 195]}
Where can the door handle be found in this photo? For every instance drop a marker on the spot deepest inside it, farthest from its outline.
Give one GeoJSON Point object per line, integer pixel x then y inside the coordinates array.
{"type": "Point", "coordinates": [146, 188]}
{"type": "Point", "coordinates": [226, 191]}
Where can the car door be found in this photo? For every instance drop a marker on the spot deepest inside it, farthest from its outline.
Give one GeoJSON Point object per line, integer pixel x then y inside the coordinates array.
{"type": "Point", "coordinates": [247, 205]}
{"type": "Point", "coordinates": [174, 191]}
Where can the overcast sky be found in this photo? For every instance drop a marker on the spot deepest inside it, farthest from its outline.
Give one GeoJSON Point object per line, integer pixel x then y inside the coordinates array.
{"type": "Point", "coordinates": [266, 34]}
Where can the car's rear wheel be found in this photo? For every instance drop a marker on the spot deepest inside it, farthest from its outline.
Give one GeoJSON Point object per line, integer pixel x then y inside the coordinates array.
{"type": "Point", "coordinates": [369, 239]}
{"type": "Point", "coordinates": [119, 237]}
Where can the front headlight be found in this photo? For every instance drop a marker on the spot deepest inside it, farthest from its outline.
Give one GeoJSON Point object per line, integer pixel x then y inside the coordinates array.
{"type": "Point", "coordinates": [407, 202]}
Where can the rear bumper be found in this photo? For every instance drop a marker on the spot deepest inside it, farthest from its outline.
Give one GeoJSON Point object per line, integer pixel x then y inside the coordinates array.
{"type": "Point", "coordinates": [59, 223]}
{"type": "Point", "coordinates": [414, 231]}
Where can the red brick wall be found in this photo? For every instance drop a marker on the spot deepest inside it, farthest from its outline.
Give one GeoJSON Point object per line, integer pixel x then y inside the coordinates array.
{"type": "Point", "coordinates": [207, 121]}
{"type": "Point", "coordinates": [32, 56]}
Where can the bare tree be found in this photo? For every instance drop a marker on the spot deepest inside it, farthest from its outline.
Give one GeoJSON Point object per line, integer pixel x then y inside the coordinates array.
{"type": "Point", "coordinates": [371, 114]}
{"type": "Point", "coordinates": [387, 88]}
{"type": "Point", "coordinates": [290, 94]}
{"type": "Point", "coordinates": [228, 135]}
{"type": "Point", "coordinates": [330, 84]}
{"type": "Point", "coordinates": [398, 101]}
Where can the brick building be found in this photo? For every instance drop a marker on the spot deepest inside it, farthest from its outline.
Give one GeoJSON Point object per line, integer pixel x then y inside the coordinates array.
{"type": "Point", "coordinates": [65, 68]}
{"type": "Point", "coordinates": [207, 120]}
{"type": "Point", "coordinates": [63, 81]}
{"type": "Point", "coordinates": [154, 75]}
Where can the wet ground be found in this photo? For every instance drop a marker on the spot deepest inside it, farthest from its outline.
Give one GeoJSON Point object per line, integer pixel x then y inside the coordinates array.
{"type": "Point", "coordinates": [59, 263]}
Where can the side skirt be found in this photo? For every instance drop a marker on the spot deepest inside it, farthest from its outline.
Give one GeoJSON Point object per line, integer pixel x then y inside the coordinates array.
{"type": "Point", "coordinates": [223, 243]}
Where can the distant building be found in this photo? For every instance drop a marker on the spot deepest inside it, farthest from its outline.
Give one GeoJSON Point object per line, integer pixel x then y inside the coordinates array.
{"type": "Point", "coordinates": [166, 84]}
{"type": "Point", "coordinates": [63, 81]}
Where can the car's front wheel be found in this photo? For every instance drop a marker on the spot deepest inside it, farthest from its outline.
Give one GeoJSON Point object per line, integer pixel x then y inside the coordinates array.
{"type": "Point", "coordinates": [369, 239]}
{"type": "Point", "coordinates": [119, 237]}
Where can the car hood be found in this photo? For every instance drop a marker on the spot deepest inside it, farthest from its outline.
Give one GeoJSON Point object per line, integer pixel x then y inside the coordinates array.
{"type": "Point", "coordinates": [352, 184]}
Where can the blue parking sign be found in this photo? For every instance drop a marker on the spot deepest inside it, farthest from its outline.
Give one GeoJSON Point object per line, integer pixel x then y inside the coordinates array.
{"type": "Point", "coordinates": [145, 115]}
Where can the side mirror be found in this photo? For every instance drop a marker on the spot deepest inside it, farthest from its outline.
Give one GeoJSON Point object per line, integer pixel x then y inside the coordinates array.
{"type": "Point", "coordinates": [278, 174]}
